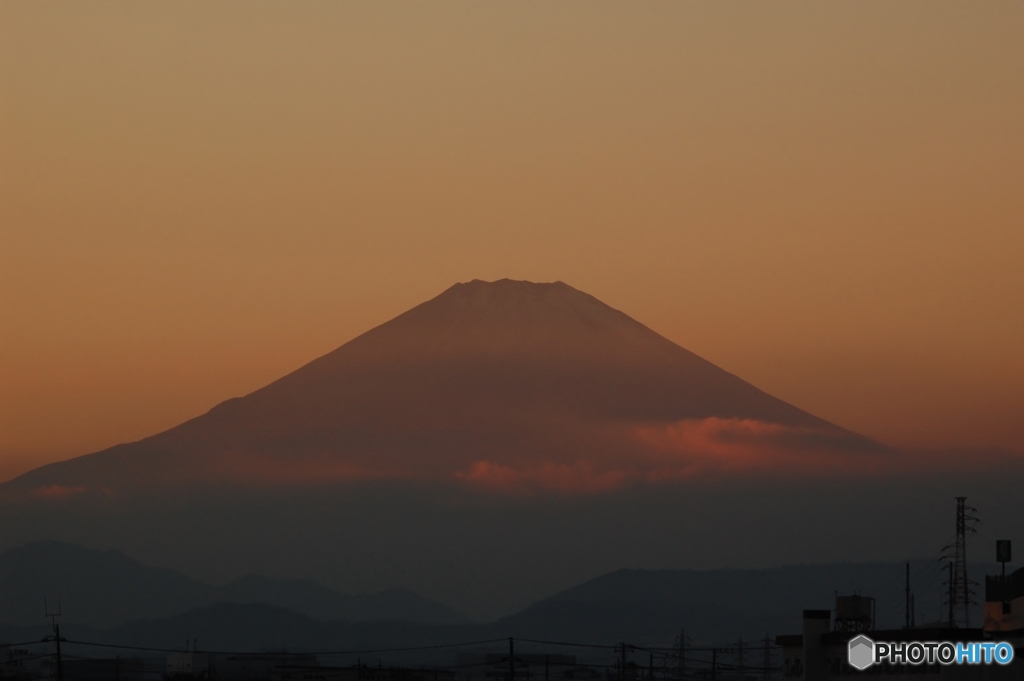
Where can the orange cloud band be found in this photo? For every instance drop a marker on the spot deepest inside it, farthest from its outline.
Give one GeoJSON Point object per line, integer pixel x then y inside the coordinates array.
{"type": "Point", "coordinates": [581, 460]}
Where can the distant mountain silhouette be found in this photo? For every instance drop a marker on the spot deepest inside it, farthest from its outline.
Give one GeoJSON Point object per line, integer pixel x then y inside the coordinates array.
{"type": "Point", "coordinates": [309, 598]}
{"type": "Point", "coordinates": [105, 588]}
{"type": "Point", "coordinates": [504, 384]}
{"type": "Point", "coordinates": [714, 605]}
{"type": "Point", "coordinates": [99, 588]}
{"type": "Point", "coordinates": [253, 627]}
{"type": "Point", "coordinates": [645, 607]}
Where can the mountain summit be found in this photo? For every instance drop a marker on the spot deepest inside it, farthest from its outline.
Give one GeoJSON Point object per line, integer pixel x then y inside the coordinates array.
{"type": "Point", "coordinates": [507, 385]}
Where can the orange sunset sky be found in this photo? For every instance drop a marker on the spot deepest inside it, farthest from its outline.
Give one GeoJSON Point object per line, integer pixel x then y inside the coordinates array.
{"type": "Point", "coordinates": [826, 199]}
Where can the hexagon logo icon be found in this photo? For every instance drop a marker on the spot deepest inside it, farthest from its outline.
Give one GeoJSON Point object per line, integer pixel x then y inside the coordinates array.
{"type": "Point", "coordinates": [861, 652]}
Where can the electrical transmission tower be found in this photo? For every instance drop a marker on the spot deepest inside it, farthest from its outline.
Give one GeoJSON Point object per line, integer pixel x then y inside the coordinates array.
{"type": "Point", "coordinates": [960, 592]}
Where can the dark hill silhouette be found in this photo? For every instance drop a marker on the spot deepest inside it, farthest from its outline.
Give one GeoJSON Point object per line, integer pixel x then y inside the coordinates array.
{"type": "Point", "coordinates": [312, 599]}
{"type": "Point", "coordinates": [498, 382]}
{"type": "Point", "coordinates": [106, 588]}
{"type": "Point", "coordinates": [720, 605]}
{"type": "Point", "coordinates": [257, 627]}
{"type": "Point", "coordinates": [99, 588]}
{"type": "Point", "coordinates": [645, 607]}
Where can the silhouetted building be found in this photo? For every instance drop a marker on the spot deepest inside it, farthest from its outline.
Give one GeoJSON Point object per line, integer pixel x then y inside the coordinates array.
{"type": "Point", "coordinates": [187, 664]}
{"type": "Point", "coordinates": [1004, 606]}
{"type": "Point", "coordinates": [855, 613]}
{"type": "Point", "coordinates": [18, 663]}
{"type": "Point", "coordinates": [113, 669]}
{"type": "Point", "coordinates": [250, 667]}
{"type": "Point", "coordinates": [532, 667]}
{"type": "Point", "coordinates": [820, 653]}
{"type": "Point", "coordinates": [363, 673]}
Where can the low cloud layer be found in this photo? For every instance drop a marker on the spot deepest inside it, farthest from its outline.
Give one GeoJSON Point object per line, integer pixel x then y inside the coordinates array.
{"type": "Point", "coordinates": [581, 459]}
{"type": "Point", "coordinates": [691, 448]}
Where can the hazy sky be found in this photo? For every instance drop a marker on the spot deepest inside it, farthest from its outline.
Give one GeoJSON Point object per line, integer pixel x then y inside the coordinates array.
{"type": "Point", "coordinates": [826, 199]}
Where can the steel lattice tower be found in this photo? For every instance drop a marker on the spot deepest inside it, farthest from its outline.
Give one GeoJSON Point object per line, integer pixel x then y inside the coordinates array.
{"type": "Point", "coordinates": [960, 591]}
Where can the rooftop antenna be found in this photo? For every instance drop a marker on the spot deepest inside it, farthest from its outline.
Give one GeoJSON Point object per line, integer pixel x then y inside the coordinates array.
{"type": "Point", "coordinates": [1003, 556]}
{"type": "Point", "coordinates": [53, 615]}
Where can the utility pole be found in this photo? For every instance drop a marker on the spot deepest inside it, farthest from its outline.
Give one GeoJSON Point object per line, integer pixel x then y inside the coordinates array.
{"type": "Point", "coordinates": [682, 653]}
{"type": "Point", "coordinates": [511, 659]}
{"type": "Point", "coordinates": [739, 657]}
{"type": "Point", "coordinates": [767, 657]}
{"type": "Point", "coordinates": [622, 664]}
{"type": "Point", "coordinates": [56, 636]}
{"type": "Point", "coordinates": [546, 666]}
{"type": "Point", "coordinates": [907, 598]}
{"type": "Point", "coordinates": [714, 662]}
{"type": "Point", "coordinates": [60, 660]}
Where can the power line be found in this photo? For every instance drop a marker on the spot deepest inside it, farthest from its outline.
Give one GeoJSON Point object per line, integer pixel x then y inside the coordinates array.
{"type": "Point", "coordinates": [328, 652]}
{"type": "Point", "coordinates": [568, 643]}
{"type": "Point", "coordinates": [699, 658]}
{"type": "Point", "coordinates": [26, 643]}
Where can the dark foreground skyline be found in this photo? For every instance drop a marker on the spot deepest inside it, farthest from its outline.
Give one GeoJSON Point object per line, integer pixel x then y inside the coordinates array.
{"type": "Point", "coordinates": [113, 599]}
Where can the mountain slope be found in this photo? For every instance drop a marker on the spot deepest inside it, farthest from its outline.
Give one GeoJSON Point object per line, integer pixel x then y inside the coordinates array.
{"type": "Point", "coordinates": [99, 588]}
{"type": "Point", "coordinates": [719, 605]}
{"type": "Point", "coordinates": [312, 599]}
{"type": "Point", "coordinates": [489, 383]}
{"type": "Point", "coordinates": [256, 627]}
{"type": "Point", "coordinates": [644, 607]}
{"type": "Point", "coordinates": [105, 588]}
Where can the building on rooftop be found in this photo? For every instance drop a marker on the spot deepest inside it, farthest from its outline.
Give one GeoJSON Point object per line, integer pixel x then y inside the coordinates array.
{"type": "Point", "coordinates": [820, 652]}
{"type": "Point", "coordinates": [22, 663]}
{"type": "Point", "coordinates": [1004, 606]}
